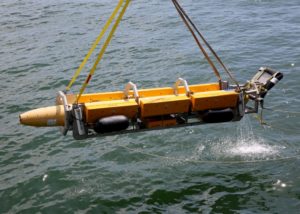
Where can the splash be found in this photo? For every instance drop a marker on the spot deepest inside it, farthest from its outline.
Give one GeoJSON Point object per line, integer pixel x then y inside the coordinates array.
{"type": "Point", "coordinates": [245, 145]}
{"type": "Point", "coordinates": [253, 149]}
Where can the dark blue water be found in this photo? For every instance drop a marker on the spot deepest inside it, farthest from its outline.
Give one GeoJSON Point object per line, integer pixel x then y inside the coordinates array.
{"type": "Point", "coordinates": [241, 167]}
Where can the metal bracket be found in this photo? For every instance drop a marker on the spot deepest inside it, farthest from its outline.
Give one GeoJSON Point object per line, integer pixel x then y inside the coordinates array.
{"type": "Point", "coordinates": [224, 85]}
{"type": "Point", "coordinates": [185, 84]}
{"type": "Point", "coordinates": [62, 99]}
{"type": "Point", "coordinates": [131, 85]}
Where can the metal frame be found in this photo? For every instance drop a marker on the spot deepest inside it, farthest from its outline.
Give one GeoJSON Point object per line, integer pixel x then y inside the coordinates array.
{"type": "Point", "coordinates": [185, 84]}
{"type": "Point", "coordinates": [193, 120]}
{"type": "Point", "coordinates": [131, 85]}
{"type": "Point", "coordinates": [62, 99]}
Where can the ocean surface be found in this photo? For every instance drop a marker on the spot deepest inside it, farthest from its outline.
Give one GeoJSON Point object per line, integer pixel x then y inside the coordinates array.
{"type": "Point", "coordinates": [241, 167]}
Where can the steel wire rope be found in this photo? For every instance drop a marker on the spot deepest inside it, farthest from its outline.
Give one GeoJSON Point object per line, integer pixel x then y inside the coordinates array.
{"type": "Point", "coordinates": [206, 43]}
{"type": "Point", "coordinates": [264, 123]}
{"type": "Point", "coordinates": [282, 111]}
{"type": "Point", "coordinates": [197, 41]}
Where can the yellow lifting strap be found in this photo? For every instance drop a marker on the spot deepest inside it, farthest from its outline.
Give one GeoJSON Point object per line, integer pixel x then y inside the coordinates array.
{"type": "Point", "coordinates": [102, 51]}
{"type": "Point", "coordinates": [96, 42]}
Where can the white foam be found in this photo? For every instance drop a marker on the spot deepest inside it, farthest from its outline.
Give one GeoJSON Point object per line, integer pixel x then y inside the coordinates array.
{"type": "Point", "coordinates": [252, 149]}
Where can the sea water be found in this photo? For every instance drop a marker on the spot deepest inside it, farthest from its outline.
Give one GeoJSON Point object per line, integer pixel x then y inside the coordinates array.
{"type": "Point", "coordinates": [241, 167]}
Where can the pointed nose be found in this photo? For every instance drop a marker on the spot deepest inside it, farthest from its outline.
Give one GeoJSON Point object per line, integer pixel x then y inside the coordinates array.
{"type": "Point", "coordinates": [43, 117]}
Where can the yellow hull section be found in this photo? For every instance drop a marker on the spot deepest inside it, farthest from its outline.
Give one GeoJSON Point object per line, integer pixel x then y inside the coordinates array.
{"type": "Point", "coordinates": [96, 110]}
{"type": "Point", "coordinates": [214, 100]}
{"type": "Point", "coordinates": [164, 105]}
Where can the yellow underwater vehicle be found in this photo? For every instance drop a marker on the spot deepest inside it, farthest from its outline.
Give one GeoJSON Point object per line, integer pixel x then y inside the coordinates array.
{"type": "Point", "coordinates": [133, 109]}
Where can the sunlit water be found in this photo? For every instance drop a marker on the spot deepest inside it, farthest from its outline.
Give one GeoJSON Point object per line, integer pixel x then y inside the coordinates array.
{"type": "Point", "coordinates": [240, 167]}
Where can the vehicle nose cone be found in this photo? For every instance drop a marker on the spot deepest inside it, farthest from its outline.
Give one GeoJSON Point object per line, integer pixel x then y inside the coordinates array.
{"type": "Point", "coordinates": [43, 117]}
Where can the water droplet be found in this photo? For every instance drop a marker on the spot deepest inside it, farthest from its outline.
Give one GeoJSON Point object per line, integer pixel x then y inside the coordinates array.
{"type": "Point", "coordinates": [283, 185]}
{"type": "Point", "coordinates": [81, 191]}
{"type": "Point", "coordinates": [45, 177]}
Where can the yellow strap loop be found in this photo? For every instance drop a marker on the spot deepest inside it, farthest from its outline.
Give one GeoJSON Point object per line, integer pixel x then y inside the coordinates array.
{"type": "Point", "coordinates": [96, 42]}
{"type": "Point", "coordinates": [102, 51]}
